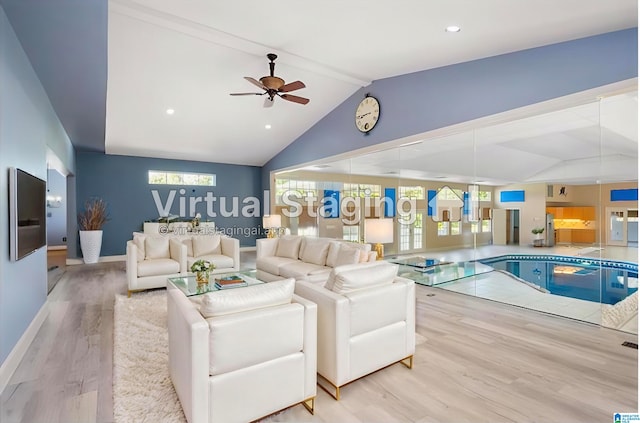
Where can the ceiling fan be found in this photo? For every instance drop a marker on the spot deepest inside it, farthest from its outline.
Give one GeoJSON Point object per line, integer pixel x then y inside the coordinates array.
{"type": "Point", "coordinates": [274, 86]}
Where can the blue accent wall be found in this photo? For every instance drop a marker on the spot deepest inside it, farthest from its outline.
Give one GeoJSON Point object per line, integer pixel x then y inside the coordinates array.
{"type": "Point", "coordinates": [512, 196]}
{"type": "Point", "coordinates": [122, 181]}
{"type": "Point", "coordinates": [436, 98]}
{"type": "Point", "coordinates": [431, 194]}
{"type": "Point", "coordinates": [28, 126]}
{"type": "Point", "coordinates": [624, 194]}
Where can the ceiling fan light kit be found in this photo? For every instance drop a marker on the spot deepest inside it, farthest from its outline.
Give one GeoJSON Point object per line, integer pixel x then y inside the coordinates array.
{"type": "Point", "coordinates": [274, 86]}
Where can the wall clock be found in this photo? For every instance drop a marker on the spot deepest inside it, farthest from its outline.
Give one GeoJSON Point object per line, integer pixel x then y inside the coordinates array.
{"type": "Point", "coordinates": [367, 114]}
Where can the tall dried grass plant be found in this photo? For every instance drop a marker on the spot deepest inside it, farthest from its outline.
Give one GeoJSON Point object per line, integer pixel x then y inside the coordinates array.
{"type": "Point", "coordinates": [94, 216]}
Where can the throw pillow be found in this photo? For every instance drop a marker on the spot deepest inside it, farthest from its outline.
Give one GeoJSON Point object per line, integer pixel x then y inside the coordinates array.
{"type": "Point", "coordinates": [315, 251]}
{"type": "Point", "coordinates": [332, 255]}
{"type": "Point", "coordinates": [288, 247]}
{"type": "Point", "coordinates": [249, 298]}
{"type": "Point", "coordinates": [189, 243]}
{"type": "Point", "coordinates": [138, 241]}
{"type": "Point", "coordinates": [204, 245]}
{"type": "Point", "coordinates": [347, 255]}
{"type": "Point", "coordinates": [156, 247]}
{"type": "Point", "coordinates": [369, 276]}
{"type": "Point", "coordinates": [337, 270]}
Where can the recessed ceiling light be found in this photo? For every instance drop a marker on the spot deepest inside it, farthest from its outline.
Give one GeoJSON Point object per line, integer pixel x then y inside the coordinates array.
{"type": "Point", "coordinates": [267, 126]}
{"type": "Point", "coordinates": [452, 28]}
{"type": "Point", "coordinates": [170, 111]}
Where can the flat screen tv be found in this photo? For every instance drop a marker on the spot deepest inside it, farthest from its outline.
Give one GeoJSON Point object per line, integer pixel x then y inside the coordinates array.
{"type": "Point", "coordinates": [27, 213]}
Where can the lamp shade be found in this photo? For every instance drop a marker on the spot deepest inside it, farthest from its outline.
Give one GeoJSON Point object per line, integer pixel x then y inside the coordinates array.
{"type": "Point", "coordinates": [378, 231]}
{"type": "Point", "coordinates": [272, 221]}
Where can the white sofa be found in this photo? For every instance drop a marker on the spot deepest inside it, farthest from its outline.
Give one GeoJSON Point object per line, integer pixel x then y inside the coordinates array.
{"type": "Point", "coordinates": [254, 355]}
{"type": "Point", "coordinates": [308, 258]}
{"type": "Point", "coordinates": [366, 321]}
{"type": "Point", "coordinates": [150, 262]}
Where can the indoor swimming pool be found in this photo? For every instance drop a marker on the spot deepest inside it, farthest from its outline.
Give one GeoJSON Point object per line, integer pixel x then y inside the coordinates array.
{"type": "Point", "coordinates": [590, 279]}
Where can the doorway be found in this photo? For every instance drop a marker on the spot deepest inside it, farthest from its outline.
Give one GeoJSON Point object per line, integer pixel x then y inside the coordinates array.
{"type": "Point", "coordinates": [513, 227]}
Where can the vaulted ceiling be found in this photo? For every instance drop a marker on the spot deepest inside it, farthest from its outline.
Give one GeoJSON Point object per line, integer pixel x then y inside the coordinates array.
{"type": "Point", "coordinates": [113, 69]}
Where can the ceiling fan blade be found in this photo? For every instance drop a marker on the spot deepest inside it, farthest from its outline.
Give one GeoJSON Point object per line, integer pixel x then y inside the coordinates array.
{"type": "Point", "coordinates": [295, 98]}
{"type": "Point", "coordinates": [255, 82]}
{"type": "Point", "coordinates": [247, 94]}
{"type": "Point", "coordinates": [268, 102]}
{"type": "Point", "coordinates": [292, 86]}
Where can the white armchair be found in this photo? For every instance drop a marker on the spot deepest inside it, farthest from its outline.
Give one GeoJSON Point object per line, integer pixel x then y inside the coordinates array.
{"type": "Point", "coordinates": [254, 355]}
{"type": "Point", "coordinates": [153, 259]}
{"type": "Point", "coordinates": [366, 321]}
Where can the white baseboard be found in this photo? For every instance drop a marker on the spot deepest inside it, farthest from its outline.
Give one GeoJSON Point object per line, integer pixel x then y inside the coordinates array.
{"type": "Point", "coordinates": [105, 259]}
{"type": "Point", "coordinates": [17, 353]}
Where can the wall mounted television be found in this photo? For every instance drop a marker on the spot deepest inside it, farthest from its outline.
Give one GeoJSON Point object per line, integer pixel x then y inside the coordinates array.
{"type": "Point", "coordinates": [27, 213]}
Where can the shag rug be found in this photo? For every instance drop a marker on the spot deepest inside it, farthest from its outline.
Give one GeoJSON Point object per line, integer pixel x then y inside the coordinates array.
{"type": "Point", "coordinates": [142, 388]}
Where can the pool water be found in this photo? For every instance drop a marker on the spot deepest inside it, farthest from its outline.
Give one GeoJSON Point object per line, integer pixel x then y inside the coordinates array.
{"type": "Point", "coordinates": [604, 281]}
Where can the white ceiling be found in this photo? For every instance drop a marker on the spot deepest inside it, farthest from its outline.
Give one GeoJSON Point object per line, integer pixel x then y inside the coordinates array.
{"type": "Point", "coordinates": [189, 56]}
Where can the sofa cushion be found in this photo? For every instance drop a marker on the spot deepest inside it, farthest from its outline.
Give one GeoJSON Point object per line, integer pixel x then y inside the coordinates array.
{"type": "Point", "coordinates": [298, 269]}
{"type": "Point", "coordinates": [359, 276]}
{"type": "Point", "coordinates": [206, 244]}
{"type": "Point", "coordinates": [347, 255]}
{"type": "Point", "coordinates": [138, 242]}
{"type": "Point", "coordinates": [334, 251]}
{"type": "Point", "coordinates": [251, 297]}
{"type": "Point", "coordinates": [377, 307]}
{"type": "Point", "coordinates": [272, 264]}
{"type": "Point", "coordinates": [189, 243]}
{"type": "Point", "coordinates": [156, 267]}
{"type": "Point", "coordinates": [288, 246]}
{"type": "Point", "coordinates": [314, 250]}
{"type": "Point", "coordinates": [156, 247]}
{"type": "Point", "coordinates": [219, 260]}
{"type": "Point", "coordinates": [369, 275]}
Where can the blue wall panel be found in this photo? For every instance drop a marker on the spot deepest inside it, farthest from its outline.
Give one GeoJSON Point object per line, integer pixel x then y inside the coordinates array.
{"type": "Point", "coordinates": [512, 196]}
{"type": "Point", "coordinates": [122, 181]}
{"type": "Point", "coordinates": [390, 204]}
{"type": "Point", "coordinates": [624, 194]}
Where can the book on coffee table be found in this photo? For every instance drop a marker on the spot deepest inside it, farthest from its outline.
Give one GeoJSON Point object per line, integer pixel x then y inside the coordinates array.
{"type": "Point", "coordinates": [230, 282]}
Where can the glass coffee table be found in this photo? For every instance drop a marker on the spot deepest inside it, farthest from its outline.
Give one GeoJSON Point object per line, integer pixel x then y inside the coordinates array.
{"type": "Point", "coordinates": [189, 287]}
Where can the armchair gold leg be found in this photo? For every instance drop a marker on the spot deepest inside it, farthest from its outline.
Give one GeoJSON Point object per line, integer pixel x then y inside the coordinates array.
{"type": "Point", "coordinates": [128, 294]}
{"type": "Point", "coordinates": [408, 362]}
{"type": "Point", "coordinates": [310, 405]}
{"type": "Point", "coordinates": [336, 389]}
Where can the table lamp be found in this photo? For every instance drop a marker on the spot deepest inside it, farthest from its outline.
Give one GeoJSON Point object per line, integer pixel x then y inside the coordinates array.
{"type": "Point", "coordinates": [378, 232]}
{"type": "Point", "coordinates": [272, 223]}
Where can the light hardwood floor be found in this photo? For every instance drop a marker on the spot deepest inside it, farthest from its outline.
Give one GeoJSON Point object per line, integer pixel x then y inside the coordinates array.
{"type": "Point", "coordinates": [480, 361]}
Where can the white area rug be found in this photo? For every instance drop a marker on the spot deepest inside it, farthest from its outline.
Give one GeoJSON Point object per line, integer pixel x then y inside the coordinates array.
{"type": "Point", "coordinates": [142, 389]}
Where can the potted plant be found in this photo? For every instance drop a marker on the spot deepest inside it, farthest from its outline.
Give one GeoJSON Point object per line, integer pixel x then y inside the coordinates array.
{"type": "Point", "coordinates": [202, 269]}
{"type": "Point", "coordinates": [538, 238]}
{"type": "Point", "coordinates": [90, 223]}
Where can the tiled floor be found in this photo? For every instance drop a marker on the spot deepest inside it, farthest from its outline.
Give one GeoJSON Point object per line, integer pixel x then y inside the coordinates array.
{"type": "Point", "coordinates": [500, 287]}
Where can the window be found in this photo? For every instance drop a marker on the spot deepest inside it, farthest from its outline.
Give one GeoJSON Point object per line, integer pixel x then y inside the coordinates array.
{"type": "Point", "coordinates": [303, 188]}
{"type": "Point", "coordinates": [159, 177]}
{"type": "Point", "coordinates": [416, 192]}
{"type": "Point", "coordinates": [474, 227]}
{"type": "Point", "coordinates": [351, 233]}
{"type": "Point", "coordinates": [443, 228]}
{"type": "Point", "coordinates": [361, 190]}
{"type": "Point", "coordinates": [455, 228]}
{"type": "Point", "coordinates": [486, 226]}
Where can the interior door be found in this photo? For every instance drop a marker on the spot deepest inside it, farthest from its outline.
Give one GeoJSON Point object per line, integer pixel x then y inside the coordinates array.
{"type": "Point", "coordinates": [616, 224]}
{"type": "Point", "coordinates": [411, 235]}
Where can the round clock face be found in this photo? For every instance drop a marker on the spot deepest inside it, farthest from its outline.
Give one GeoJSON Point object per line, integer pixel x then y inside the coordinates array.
{"type": "Point", "coordinates": [367, 114]}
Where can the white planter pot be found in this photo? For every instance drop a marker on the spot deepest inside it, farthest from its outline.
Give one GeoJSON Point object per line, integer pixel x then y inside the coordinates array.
{"type": "Point", "coordinates": [90, 243]}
